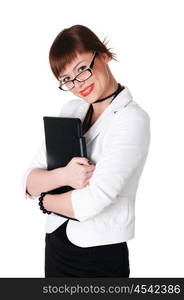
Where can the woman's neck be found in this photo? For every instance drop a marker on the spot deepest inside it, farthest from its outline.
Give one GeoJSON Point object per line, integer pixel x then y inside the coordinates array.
{"type": "Point", "coordinates": [99, 107]}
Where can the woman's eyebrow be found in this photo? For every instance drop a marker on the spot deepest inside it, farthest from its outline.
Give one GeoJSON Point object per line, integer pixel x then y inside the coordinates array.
{"type": "Point", "coordinates": [73, 69]}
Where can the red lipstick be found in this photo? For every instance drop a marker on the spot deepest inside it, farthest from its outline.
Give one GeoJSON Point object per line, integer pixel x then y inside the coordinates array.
{"type": "Point", "coordinates": [85, 92]}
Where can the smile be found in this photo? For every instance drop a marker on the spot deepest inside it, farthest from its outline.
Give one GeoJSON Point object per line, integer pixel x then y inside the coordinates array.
{"type": "Point", "coordinates": [85, 92]}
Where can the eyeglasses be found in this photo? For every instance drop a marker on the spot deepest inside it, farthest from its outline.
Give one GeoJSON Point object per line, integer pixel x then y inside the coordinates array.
{"type": "Point", "coordinates": [82, 76]}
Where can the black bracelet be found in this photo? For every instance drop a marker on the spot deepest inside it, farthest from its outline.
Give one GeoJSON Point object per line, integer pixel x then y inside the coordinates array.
{"type": "Point", "coordinates": [41, 204]}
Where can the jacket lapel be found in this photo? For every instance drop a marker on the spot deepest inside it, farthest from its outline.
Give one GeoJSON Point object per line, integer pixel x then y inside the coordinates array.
{"type": "Point", "coordinates": [105, 119]}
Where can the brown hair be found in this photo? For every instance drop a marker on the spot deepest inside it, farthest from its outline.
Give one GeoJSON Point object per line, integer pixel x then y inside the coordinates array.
{"type": "Point", "coordinates": [69, 41]}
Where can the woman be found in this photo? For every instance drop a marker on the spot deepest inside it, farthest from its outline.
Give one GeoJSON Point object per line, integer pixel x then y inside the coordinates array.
{"type": "Point", "coordinates": [117, 134]}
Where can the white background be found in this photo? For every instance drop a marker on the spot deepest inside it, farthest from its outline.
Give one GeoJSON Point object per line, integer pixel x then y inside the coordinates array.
{"type": "Point", "coordinates": [147, 36]}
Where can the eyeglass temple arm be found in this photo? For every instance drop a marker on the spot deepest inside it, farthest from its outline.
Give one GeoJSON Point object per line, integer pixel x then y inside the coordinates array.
{"type": "Point", "coordinates": [92, 63]}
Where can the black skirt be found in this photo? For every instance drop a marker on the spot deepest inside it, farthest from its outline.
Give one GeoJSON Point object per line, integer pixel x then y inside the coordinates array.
{"type": "Point", "coordinates": [64, 259]}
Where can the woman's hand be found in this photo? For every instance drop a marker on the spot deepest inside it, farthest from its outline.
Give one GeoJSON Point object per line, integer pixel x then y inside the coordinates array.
{"type": "Point", "coordinates": [78, 172]}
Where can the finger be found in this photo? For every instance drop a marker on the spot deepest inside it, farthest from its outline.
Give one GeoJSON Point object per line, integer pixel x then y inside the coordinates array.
{"type": "Point", "coordinates": [81, 160]}
{"type": "Point", "coordinates": [89, 171]}
{"type": "Point", "coordinates": [88, 176]}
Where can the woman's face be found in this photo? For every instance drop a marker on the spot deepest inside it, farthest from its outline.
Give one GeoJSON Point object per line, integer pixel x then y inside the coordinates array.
{"type": "Point", "coordinates": [96, 86]}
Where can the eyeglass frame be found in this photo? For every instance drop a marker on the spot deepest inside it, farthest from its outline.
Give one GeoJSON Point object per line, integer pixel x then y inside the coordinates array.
{"type": "Point", "coordinates": [75, 78]}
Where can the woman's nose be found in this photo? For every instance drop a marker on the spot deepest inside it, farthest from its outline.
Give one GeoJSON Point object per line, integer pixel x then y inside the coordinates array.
{"type": "Point", "coordinates": [79, 84]}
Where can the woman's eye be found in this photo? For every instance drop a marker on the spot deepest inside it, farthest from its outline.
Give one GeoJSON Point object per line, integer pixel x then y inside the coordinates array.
{"type": "Point", "coordinates": [66, 79]}
{"type": "Point", "coordinates": [82, 68]}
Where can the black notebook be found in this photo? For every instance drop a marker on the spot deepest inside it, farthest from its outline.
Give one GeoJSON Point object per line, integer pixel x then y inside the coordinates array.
{"type": "Point", "coordinates": [64, 140]}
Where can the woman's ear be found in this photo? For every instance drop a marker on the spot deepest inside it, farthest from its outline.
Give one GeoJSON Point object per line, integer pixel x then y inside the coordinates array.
{"type": "Point", "coordinates": [106, 57]}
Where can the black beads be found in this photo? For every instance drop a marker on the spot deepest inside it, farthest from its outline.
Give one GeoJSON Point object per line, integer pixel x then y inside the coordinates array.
{"type": "Point", "coordinates": [40, 203]}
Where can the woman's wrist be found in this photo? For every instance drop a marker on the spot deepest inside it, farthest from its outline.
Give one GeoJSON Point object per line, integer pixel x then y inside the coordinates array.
{"type": "Point", "coordinates": [50, 202]}
{"type": "Point", "coordinates": [59, 175]}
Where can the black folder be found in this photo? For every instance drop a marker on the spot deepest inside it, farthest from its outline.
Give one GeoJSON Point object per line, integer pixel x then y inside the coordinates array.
{"type": "Point", "coordinates": [64, 140]}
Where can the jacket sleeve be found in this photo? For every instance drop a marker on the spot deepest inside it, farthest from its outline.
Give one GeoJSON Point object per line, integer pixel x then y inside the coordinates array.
{"type": "Point", "coordinates": [125, 146]}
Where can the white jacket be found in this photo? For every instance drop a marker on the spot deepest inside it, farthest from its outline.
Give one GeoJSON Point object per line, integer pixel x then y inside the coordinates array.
{"type": "Point", "coordinates": [117, 143]}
